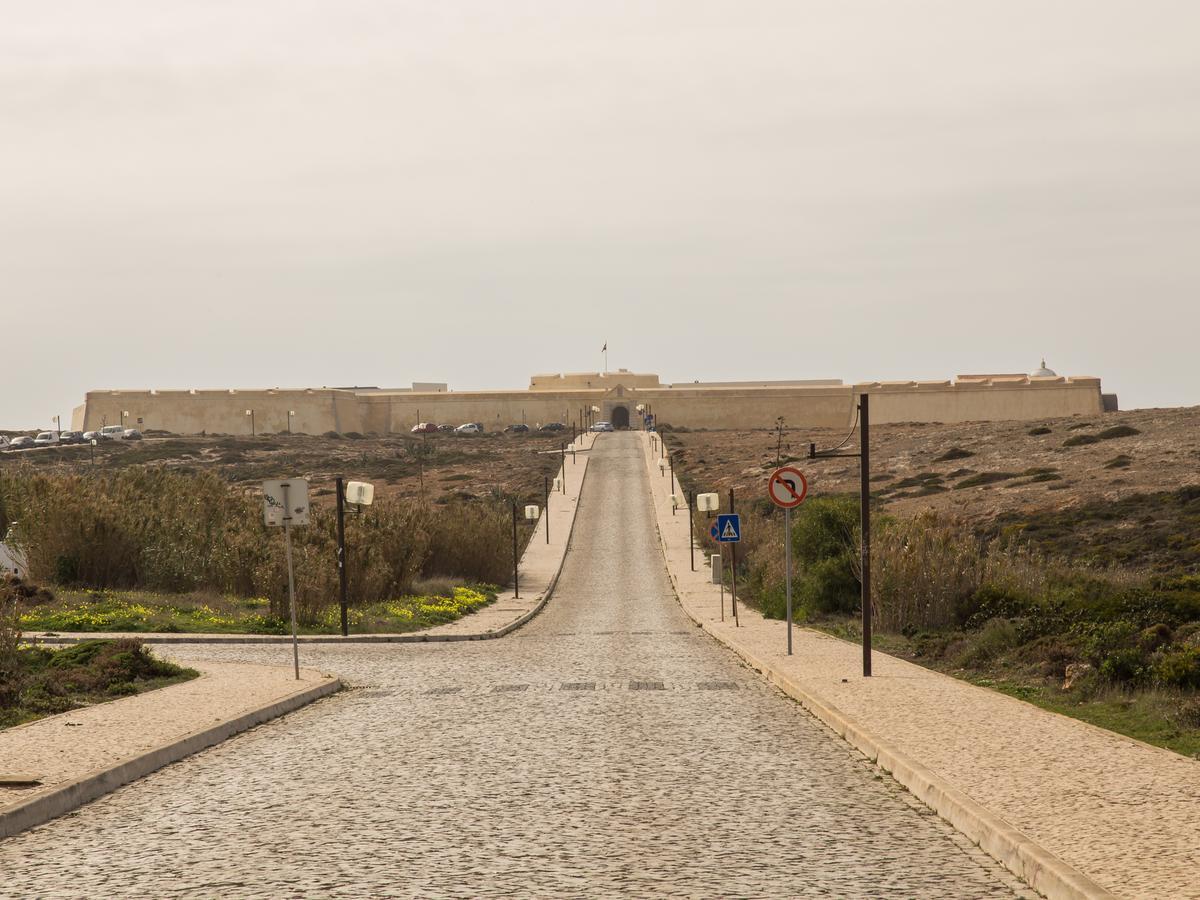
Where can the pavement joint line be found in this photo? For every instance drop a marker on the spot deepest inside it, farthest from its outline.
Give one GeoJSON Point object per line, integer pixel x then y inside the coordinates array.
{"type": "Point", "coordinates": [1038, 867]}
{"type": "Point", "coordinates": [70, 795]}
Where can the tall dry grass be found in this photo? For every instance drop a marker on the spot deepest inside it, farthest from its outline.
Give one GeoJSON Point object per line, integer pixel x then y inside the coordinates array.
{"type": "Point", "coordinates": [153, 529]}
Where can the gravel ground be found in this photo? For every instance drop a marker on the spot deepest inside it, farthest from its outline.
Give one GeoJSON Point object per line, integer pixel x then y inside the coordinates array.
{"type": "Point", "coordinates": [609, 747]}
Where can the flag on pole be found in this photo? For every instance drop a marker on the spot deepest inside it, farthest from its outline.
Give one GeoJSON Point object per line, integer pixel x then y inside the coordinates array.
{"type": "Point", "coordinates": [604, 349]}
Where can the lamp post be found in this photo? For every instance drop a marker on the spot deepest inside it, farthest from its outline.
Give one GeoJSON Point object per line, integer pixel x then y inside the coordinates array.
{"type": "Point", "coordinates": [291, 413]}
{"type": "Point", "coordinates": [124, 416]}
{"type": "Point", "coordinates": [250, 416]}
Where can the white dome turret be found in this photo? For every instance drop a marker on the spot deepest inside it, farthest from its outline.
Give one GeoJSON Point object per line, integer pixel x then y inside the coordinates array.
{"type": "Point", "coordinates": [1043, 372]}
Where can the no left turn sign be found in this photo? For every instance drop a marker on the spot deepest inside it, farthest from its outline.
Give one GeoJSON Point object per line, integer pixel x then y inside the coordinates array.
{"type": "Point", "coordinates": [787, 487]}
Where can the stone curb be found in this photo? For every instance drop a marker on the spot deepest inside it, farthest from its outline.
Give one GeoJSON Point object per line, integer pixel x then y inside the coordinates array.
{"type": "Point", "coordinates": [1038, 867]}
{"type": "Point", "coordinates": [352, 639]}
{"type": "Point", "coordinates": [75, 793]}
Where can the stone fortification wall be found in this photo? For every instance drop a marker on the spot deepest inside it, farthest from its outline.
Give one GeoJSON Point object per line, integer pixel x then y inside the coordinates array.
{"type": "Point", "coordinates": [696, 406]}
{"type": "Point", "coordinates": [984, 401]}
{"type": "Point", "coordinates": [222, 412]}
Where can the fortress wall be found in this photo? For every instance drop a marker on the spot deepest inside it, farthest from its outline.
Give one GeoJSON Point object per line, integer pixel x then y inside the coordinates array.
{"type": "Point", "coordinates": [972, 402]}
{"type": "Point", "coordinates": [493, 410]}
{"type": "Point", "coordinates": [733, 408]}
{"type": "Point", "coordinates": [190, 412]}
{"type": "Point", "coordinates": [319, 411]}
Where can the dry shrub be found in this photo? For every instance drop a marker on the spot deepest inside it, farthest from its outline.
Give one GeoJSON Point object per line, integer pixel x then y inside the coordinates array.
{"type": "Point", "coordinates": [922, 569]}
{"type": "Point", "coordinates": [158, 530]}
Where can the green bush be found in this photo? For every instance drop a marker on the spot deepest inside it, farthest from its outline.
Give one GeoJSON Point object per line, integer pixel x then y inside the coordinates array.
{"type": "Point", "coordinates": [985, 478]}
{"type": "Point", "coordinates": [825, 549]}
{"type": "Point", "coordinates": [1117, 431]}
{"type": "Point", "coordinates": [1041, 429]}
{"type": "Point", "coordinates": [1081, 440]}
{"type": "Point", "coordinates": [1180, 668]}
{"type": "Point", "coordinates": [997, 637]}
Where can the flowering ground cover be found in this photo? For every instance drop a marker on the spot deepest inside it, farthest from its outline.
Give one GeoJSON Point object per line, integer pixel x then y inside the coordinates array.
{"type": "Point", "coordinates": [140, 612]}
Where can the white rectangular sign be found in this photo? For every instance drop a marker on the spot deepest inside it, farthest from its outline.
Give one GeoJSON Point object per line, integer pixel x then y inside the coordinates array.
{"type": "Point", "coordinates": [285, 500]}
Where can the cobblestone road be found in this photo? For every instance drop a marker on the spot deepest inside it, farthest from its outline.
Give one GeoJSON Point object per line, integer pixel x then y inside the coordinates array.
{"type": "Point", "coordinates": [609, 747]}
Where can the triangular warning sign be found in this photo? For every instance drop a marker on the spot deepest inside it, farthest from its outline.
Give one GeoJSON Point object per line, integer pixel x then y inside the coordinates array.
{"type": "Point", "coordinates": [729, 532]}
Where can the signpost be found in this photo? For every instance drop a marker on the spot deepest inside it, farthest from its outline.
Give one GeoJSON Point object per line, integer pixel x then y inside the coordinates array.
{"type": "Point", "coordinates": [787, 488]}
{"type": "Point", "coordinates": [728, 530]}
{"type": "Point", "coordinates": [285, 502]}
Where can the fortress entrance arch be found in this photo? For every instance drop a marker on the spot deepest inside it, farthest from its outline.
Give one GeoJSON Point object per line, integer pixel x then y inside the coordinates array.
{"type": "Point", "coordinates": [620, 417]}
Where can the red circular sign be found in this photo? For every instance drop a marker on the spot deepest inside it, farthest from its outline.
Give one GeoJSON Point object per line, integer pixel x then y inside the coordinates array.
{"type": "Point", "coordinates": [787, 487]}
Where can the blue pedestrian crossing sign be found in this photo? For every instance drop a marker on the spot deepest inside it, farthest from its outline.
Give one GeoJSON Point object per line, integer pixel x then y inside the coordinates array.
{"type": "Point", "coordinates": [728, 529]}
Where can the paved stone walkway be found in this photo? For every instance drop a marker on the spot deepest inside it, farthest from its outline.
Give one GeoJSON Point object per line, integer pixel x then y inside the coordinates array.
{"type": "Point", "coordinates": [62, 748]}
{"type": "Point", "coordinates": [610, 747]}
{"type": "Point", "coordinates": [1123, 813]}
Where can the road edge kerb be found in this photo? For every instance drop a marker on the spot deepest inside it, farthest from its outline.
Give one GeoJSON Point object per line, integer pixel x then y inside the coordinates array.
{"type": "Point", "coordinates": [1038, 867]}
{"type": "Point", "coordinates": [356, 639]}
{"type": "Point", "coordinates": [95, 784]}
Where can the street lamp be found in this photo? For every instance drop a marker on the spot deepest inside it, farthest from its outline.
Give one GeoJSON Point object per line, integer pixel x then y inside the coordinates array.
{"type": "Point", "coordinates": [250, 415]}
{"type": "Point", "coordinates": [291, 413]}
{"type": "Point", "coordinates": [124, 415]}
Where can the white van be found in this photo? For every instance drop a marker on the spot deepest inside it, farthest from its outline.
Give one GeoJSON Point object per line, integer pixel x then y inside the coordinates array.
{"type": "Point", "coordinates": [112, 433]}
{"type": "Point", "coordinates": [46, 437]}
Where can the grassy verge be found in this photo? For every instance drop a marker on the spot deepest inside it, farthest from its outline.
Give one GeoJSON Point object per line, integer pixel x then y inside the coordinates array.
{"type": "Point", "coordinates": [204, 613]}
{"type": "Point", "coordinates": [38, 681]}
{"type": "Point", "coordinates": [1165, 718]}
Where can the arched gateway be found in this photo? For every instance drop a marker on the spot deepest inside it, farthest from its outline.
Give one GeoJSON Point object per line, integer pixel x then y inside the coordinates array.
{"type": "Point", "coordinates": [620, 417]}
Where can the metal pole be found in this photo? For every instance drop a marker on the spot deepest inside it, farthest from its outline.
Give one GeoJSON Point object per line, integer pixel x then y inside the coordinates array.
{"type": "Point", "coordinates": [287, 541]}
{"type": "Point", "coordinates": [516, 576]}
{"type": "Point", "coordinates": [546, 493]}
{"type": "Point", "coordinates": [691, 532]}
{"type": "Point", "coordinates": [721, 551]}
{"type": "Point", "coordinates": [787, 566]}
{"type": "Point", "coordinates": [733, 570]}
{"type": "Point", "coordinates": [562, 455]}
{"type": "Point", "coordinates": [341, 551]}
{"type": "Point", "coordinates": [864, 446]}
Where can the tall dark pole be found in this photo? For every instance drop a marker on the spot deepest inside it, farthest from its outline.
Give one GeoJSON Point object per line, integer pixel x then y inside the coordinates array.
{"type": "Point", "coordinates": [516, 582]}
{"type": "Point", "coordinates": [546, 494]}
{"type": "Point", "coordinates": [864, 437]}
{"type": "Point", "coordinates": [341, 550]}
{"type": "Point", "coordinates": [733, 570]}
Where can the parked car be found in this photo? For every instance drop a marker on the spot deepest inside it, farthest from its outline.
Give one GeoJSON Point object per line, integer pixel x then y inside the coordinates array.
{"type": "Point", "coordinates": [131, 434]}
{"type": "Point", "coordinates": [89, 436]}
{"type": "Point", "coordinates": [4, 442]}
{"type": "Point", "coordinates": [468, 428]}
{"type": "Point", "coordinates": [553, 426]}
{"type": "Point", "coordinates": [45, 438]}
{"type": "Point", "coordinates": [519, 428]}
{"type": "Point", "coordinates": [425, 428]}
{"type": "Point", "coordinates": [21, 442]}
{"type": "Point", "coordinates": [446, 428]}
{"type": "Point", "coordinates": [112, 432]}
{"type": "Point", "coordinates": [70, 437]}
{"type": "Point", "coordinates": [601, 426]}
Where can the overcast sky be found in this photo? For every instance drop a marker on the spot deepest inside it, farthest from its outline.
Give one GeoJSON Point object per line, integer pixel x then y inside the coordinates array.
{"type": "Point", "coordinates": [259, 193]}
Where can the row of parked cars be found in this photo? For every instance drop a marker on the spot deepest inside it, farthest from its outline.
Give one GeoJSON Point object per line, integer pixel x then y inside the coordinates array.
{"type": "Point", "coordinates": [60, 438]}
{"type": "Point", "coordinates": [477, 428]}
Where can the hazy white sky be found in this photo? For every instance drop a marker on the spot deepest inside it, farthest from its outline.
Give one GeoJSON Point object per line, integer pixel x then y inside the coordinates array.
{"type": "Point", "coordinates": [298, 193]}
